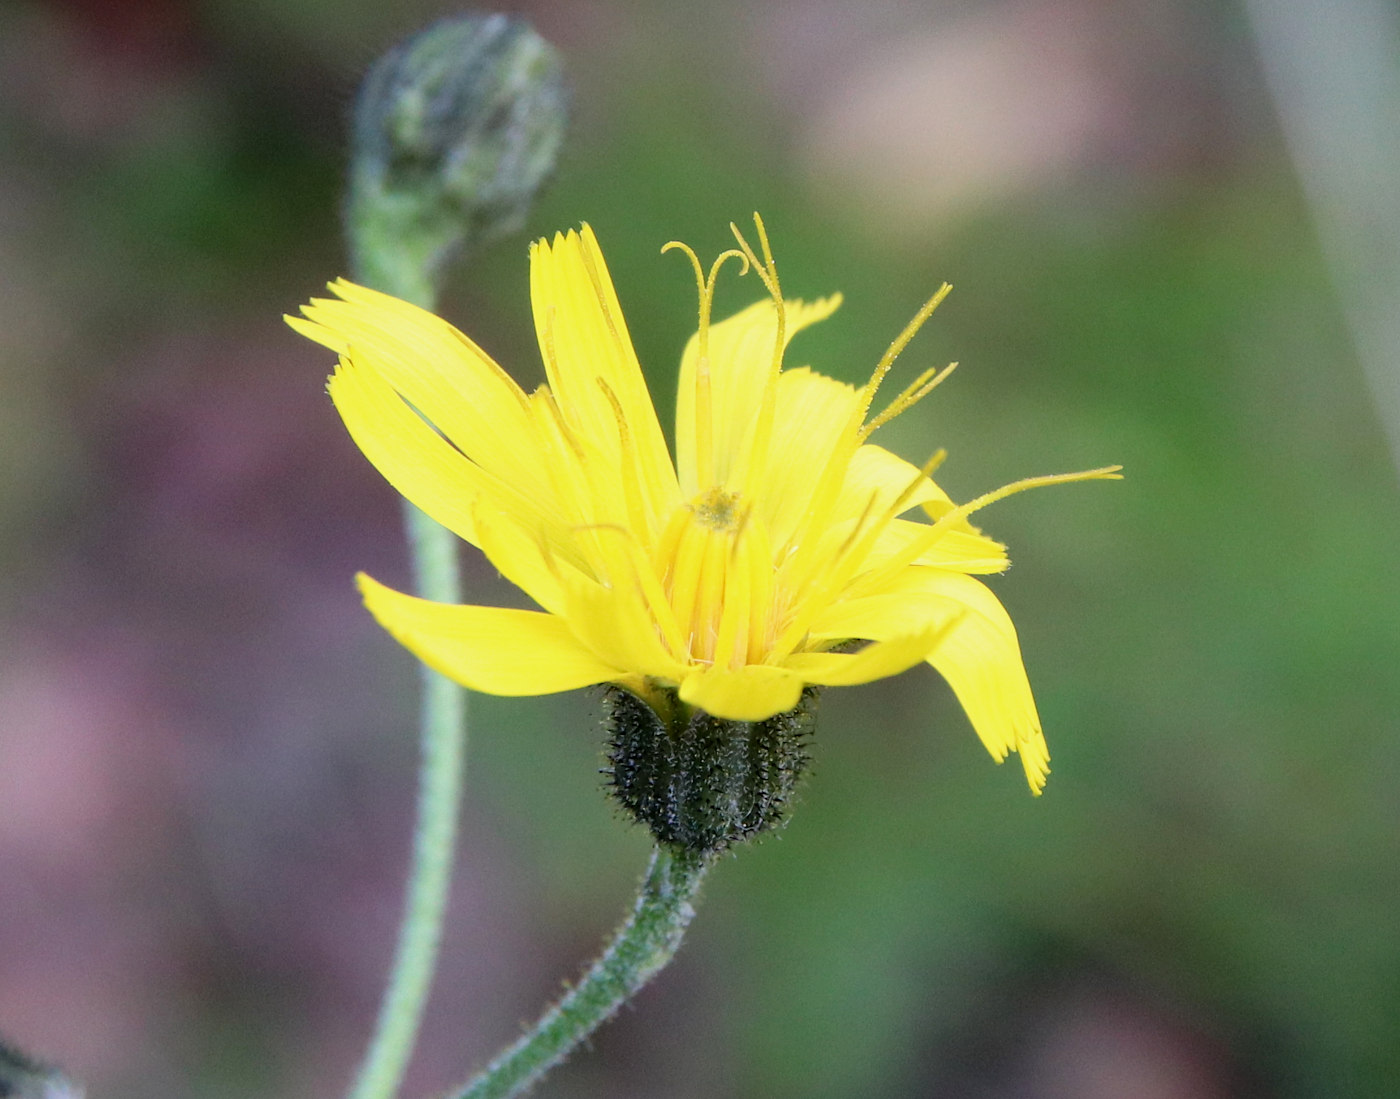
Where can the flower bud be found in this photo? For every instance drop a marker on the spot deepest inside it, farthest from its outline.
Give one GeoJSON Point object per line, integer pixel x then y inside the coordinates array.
{"type": "Point", "coordinates": [698, 781]}
{"type": "Point", "coordinates": [455, 129]}
{"type": "Point", "coordinates": [24, 1078]}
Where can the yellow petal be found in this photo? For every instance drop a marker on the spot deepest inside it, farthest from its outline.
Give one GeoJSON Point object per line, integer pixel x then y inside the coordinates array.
{"type": "Point", "coordinates": [438, 370]}
{"type": "Point", "coordinates": [588, 355]}
{"type": "Point", "coordinates": [980, 657]}
{"type": "Point", "coordinates": [496, 650]}
{"type": "Point", "coordinates": [740, 358]}
{"type": "Point", "coordinates": [615, 622]}
{"type": "Point", "coordinates": [413, 457]}
{"type": "Point", "coordinates": [581, 498]}
{"type": "Point", "coordinates": [878, 660]}
{"type": "Point", "coordinates": [750, 693]}
{"type": "Point", "coordinates": [957, 550]}
{"type": "Point", "coordinates": [876, 472]}
{"type": "Point", "coordinates": [522, 556]}
{"type": "Point", "coordinates": [814, 412]}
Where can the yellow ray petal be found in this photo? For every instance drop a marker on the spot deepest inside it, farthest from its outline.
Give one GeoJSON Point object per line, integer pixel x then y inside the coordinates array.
{"type": "Point", "coordinates": [952, 518]}
{"type": "Point", "coordinates": [413, 457]}
{"type": "Point", "coordinates": [813, 413]}
{"type": "Point", "coordinates": [980, 657]}
{"type": "Point", "coordinates": [450, 380]}
{"type": "Point", "coordinates": [877, 660]}
{"type": "Point", "coordinates": [614, 622]}
{"type": "Point", "coordinates": [496, 650]}
{"type": "Point", "coordinates": [740, 355]}
{"type": "Point", "coordinates": [874, 471]}
{"type": "Point", "coordinates": [958, 550]}
{"type": "Point", "coordinates": [583, 498]}
{"type": "Point", "coordinates": [750, 693]}
{"type": "Point", "coordinates": [584, 339]}
{"type": "Point", "coordinates": [523, 557]}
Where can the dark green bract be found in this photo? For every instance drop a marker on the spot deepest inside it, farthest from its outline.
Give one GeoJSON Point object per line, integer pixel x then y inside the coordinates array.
{"type": "Point", "coordinates": [701, 782]}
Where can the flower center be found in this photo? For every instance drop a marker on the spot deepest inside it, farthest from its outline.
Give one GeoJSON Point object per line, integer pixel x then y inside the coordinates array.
{"type": "Point", "coordinates": [703, 576]}
{"type": "Point", "coordinates": [717, 510]}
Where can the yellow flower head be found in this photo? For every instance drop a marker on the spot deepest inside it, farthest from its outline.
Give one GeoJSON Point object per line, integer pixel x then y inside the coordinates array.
{"type": "Point", "coordinates": [731, 577]}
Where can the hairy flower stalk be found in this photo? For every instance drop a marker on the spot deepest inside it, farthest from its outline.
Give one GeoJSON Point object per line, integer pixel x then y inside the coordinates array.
{"type": "Point", "coordinates": [641, 947]}
{"type": "Point", "coordinates": [726, 581]}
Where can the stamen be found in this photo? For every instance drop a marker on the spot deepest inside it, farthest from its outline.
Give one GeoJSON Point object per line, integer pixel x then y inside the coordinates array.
{"type": "Point", "coordinates": [767, 270]}
{"type": "Point", "coordinates": [682, 579]}
{"type": "Point", "coordinates": [592, 266]}
{"type": "Point", "coordinates": [551, 360]}
{"type": "Point", "coordinates": [694, 262]}
{"type": "Point", "coordinates": [837, 463]}
{"type": "Point", "coordinates": [801, 547]}
{"type": "Point", "coordinates": [854, 550]}
{"type": "Point", "coordinates": [556, 415]}
{"type": "Point", "coordinates": [936, 459]}
{"type": "Point", "coordinates": [483, 359]}
{"type": "Point", "coordinates": [704, 399]}
{"type": "Point", "coordinates": [829, 483]}
{"type": "Point", "coordinates": [920, 388]}
{"type": "Point", "coordinates": [918, 546]}
{"type": "Point", "coordinates": [710, 595]}
{"type": "Point", "coordinates": [652, 592]}
{"type": "Point", "coordinates": [900, 343]}
{"type": "Point", "coordinates": [631, 475]}
{"type": "Point", "coordinates": [733, 626]}
{"type": "Point", "coordinates": [715, 510]}
{"type": "Point", "coordinates": [566, 471]}
{"type": "Point", "coordinates": [855, 533]}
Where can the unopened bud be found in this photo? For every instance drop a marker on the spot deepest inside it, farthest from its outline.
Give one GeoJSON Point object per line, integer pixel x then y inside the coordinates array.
{"type": "Point", "coordinates": [22, 1077]}
{"type": "Point", "coordinates": [455, 130]}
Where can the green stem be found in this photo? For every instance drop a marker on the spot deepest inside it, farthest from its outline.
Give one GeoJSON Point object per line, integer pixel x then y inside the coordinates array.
{"type": "Point", "coordinates": [639, 949]}
{"type": "Point", "coordinates": [443, 738]}
{"type": "Point", "coordinates": [455, 128]}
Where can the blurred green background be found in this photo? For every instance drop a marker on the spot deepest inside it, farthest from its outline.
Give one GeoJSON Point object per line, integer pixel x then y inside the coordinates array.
{"type": "Point", "coordinates": [206, 755]}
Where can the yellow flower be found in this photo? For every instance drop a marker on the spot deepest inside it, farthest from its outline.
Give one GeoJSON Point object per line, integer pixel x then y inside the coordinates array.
{"type": "Point", "coordinates": [731, 577]}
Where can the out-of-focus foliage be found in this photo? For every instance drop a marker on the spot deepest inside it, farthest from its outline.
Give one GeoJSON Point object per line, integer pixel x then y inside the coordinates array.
{"type": "Point", "coordinates": [206, 757]}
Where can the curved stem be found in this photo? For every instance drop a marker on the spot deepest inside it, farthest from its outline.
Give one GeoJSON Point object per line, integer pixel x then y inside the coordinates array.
{"type": "Point", "coordinates": [455, 128]}
{"type": "Point", "coordinates": [640, 948]}
{"type": "Point", "coordinates": [443, 740]}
